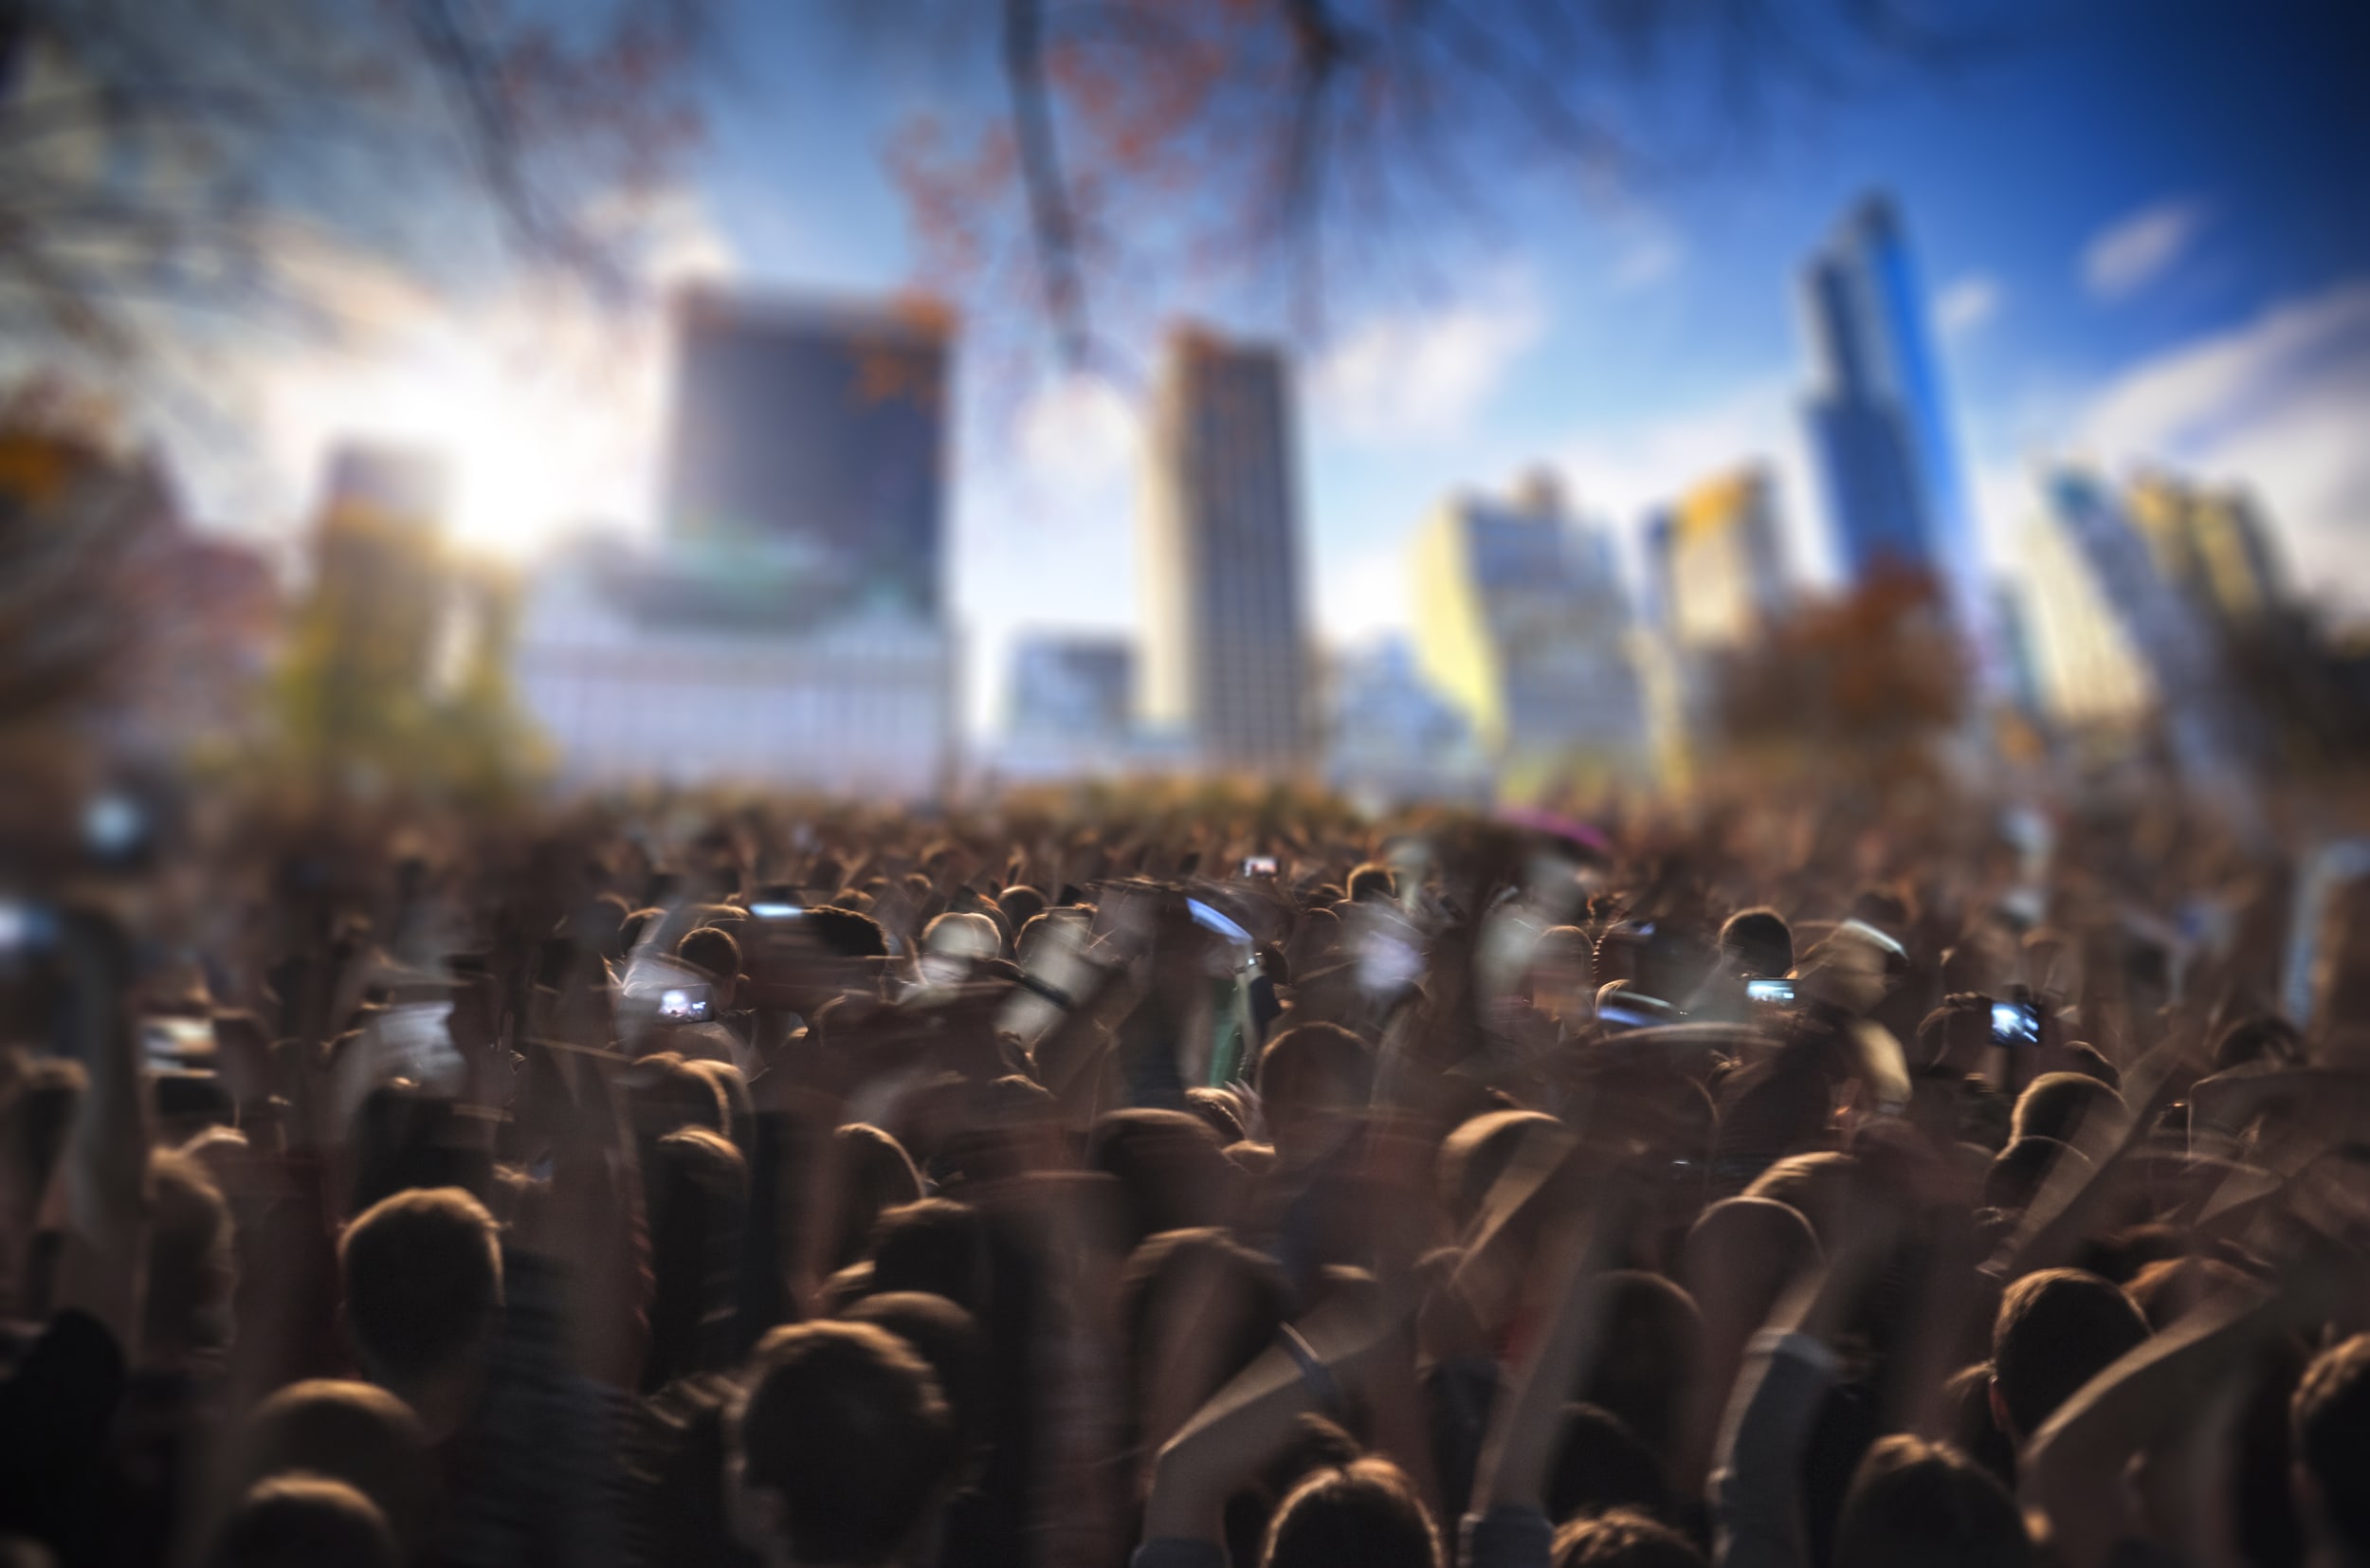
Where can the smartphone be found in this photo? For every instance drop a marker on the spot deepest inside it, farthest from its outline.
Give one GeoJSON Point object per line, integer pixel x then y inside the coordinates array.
{"type": "Point", "coordinates": [775, 911]}
{"type": "Point", "coordinates": [1259, 866]}
{"type": "Point", "coordinates": [1770, 992]}
{"type": "Point", "coordinates": [686, 1004]}
{"type": "Point", "coordinates": [2016, 1023]}
{"type": "Point", "coordinates": [177, 1042]}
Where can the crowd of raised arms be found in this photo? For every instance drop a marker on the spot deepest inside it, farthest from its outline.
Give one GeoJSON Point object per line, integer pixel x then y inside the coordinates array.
{"type": "Point", "coordinates": [1258, 1185]}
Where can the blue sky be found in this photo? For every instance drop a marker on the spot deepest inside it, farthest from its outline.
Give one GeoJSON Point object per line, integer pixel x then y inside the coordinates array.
{"type": "Point", "coordinates": [2142, 225]}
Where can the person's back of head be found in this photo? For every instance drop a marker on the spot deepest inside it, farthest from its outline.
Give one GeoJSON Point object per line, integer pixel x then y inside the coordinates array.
{"type": "Point", "coordinates": [1658, 1338]}
{"type": "Point", "coordinates": [354, 1432]}
{"type": "Point", "coordinates": [192, 1269]}
{"type": "Point", "coordinates": [666, 1092]}
{"type": "Point", "coordinates": [1308, 1077]}
{"type": "Point", "coordinates": [2329, 1433]}
{"type": "Point", "coordinates": [1020, 904]}
{"type": "Point", "coordinates": [1169, 1164]}
{"type": "Point", "coordinates": [2265, 1039]}
{"type": "Point", "coordinates": [1739, 1255]}
{"type": "Point", "coordinates": [674, 1503]}
{"type": "Point", "coordinates": [1472, 1157]}
{"type": "Point", "coordinates": [304, 1521]}
{"type": "Point", "coordinates": [1623, 1538]}
{"type": "Point", "coordinates": [875, 1175]}
{"type": "Point", "coordinates": [1601, 1464]}
{"type": "Point", "coordinates": [1200, 1287]}
{"type": "Point", "coordinates": [936, 1245]}
{"type": "Point", "coordinates": [2060, 1104]}
{"type": "Point", "coordinates": [2057, 1329]}
{"type": "Point", "coordinates": [843, 1446]}
{"type": "Point", "coordinates": [1373, 883]}
{"type": "Point", "coordinates": [2018, 1171]}
{"type": "Point", "coordinates": [949, 1339]}
{"type": "Point", "coordinates": [1920, 1504]}
{"type": "Point", "coordinates": [1816, 1185]}
{"type": "Point", "coordinates": [1364, 1513]}
{"type": "Point", "coordinates": [1955, 1034]}
{"type": "Point", "coordinates": [845, 933]}
{"type": "Point", "coordinates": [713, 951]}
{"type": "Point", "coordinates": [1758, 942]}
{"type": "Point", "coordinates": [422, 1280]}
{"type": "Point", "coordinates": [699, 1195]}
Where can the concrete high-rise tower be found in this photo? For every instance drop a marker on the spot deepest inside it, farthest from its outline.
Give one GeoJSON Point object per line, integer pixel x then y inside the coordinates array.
{"type": "Point", "coordinates": [1224, 654]}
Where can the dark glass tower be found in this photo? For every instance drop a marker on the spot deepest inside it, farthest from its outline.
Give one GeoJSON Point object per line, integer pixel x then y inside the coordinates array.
{"type": "Point", "coordinates": [817, 436]}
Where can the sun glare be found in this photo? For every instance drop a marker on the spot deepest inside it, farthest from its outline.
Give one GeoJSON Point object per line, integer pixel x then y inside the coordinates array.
{"type": "Point", "coordinates": [531, 450]}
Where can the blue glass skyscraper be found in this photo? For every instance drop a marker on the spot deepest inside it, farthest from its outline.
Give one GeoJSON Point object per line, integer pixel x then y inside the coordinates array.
{"type": "Point", "coordinates": [1877, 423]}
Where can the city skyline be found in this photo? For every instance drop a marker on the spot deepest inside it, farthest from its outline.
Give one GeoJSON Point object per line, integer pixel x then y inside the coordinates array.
{"type": "Point", "coordinates": [2101, 274]}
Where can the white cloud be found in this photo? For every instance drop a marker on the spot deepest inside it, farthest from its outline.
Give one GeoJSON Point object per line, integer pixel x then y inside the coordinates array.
{"type": "Point", "coordinates": [2278, 404]}
{"type": "Point", "coordinates": [1079, 435]}
{"type": "Point", "coordinates": [1653, 255]}
{"type": "Point", "coordinates": [1423, 375]}
{"type": "Point", "coordinates": [1965, 304]}
{"type": "Point", "coordinates": [2132, 252]}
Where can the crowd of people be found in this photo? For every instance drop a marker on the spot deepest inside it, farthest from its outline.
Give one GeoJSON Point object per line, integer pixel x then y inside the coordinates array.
{"type": "Point", "coordinates": [1244, 1187]}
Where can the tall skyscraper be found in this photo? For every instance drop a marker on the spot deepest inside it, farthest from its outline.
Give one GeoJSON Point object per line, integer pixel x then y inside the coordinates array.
{"type": "Point", "coordinates": [2114, 639]}
{"type": "Point", "coordinates": [1879, 423]}
{"type": "Point", "coordinates": [1719, 567]}
{"type": "Point", "coordinates": [816, 434]}
{"type": "Point", "coordinates": [2213, 544]}
{"type": "Point", "coordinates": [787, 630]}
{"type": "Point", "coordinates": [1225, 657]}
{"type": "Point", "coordinates": [1523, 623]}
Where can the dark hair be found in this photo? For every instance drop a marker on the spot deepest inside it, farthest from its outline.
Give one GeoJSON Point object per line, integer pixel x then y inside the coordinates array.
{"type": "Point", "coordinates": [1623, 1538]}
{"type": "Point", "coordinates": [1472, 1157]}
{"type": "Point", "coordinates": [1603, 1464]}
{"type": "Point", "coordinates": [2018, 1171]}
{"type": "Point", "coordinates": [1657, 1337]}
{"type": "Point", "coordinates": [1966, 1014]}
{"type": "Point", "coordinates": [2055, 1331]}
{"type": "Point", "coordinates": [422, 1274]}
{"type": "Point", "coordinates": [2253, 1039]}
{"type": "Point", "coordinates": [1019, 904]}
{"type": "Point", "coordinates": [1758, 941]}
{"type": "Point", "coordinates": [1219, 1111]}
{"type": "Point", "coordinates": [1920, 1504]}
{"type": "Point", "coordinates": [353, 1432]}
{"type": "Point", "coordinates": [700, 1187]}
{"type": "Point", "coordinates": [1365, 1512]}
{"type": "Point", "coordinates": [1737, 1229]}
{"type": "Point", "coordinates": [935, 1245]}
{"type": "Point", "coordinates": [2058, 1105]}
{"type": "Point", "coordinates": [190, 1272]}
{"type": "Point", "coordinates": [673, 1473]}
{"type": "Point", "coordinates": [875, 1175]}
{"type": "Point", "coordinates": [1311, 1049]}
{"type": "Point", "coordinates": [2086, 1060]}
{"type": "Point", "coordinates": [1171, 1172]}
{"type": "Point", "coordinates": [845, 933]}
{"type": "Point", "coordinates": [1373, 883]}
{"type": "Point", "coordinates": [710, 950]}
{"type": "Point", "coordinates": [1155, 1270]}
{"type": "Point", "coordinates": [948, 1337]}
{"type": "Point", "coordinates": [302, 1522]}
{"type": "Point", "coordinates": [2329, 1424]}
{"type": "Point", "coordinates": [847, 1426]}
